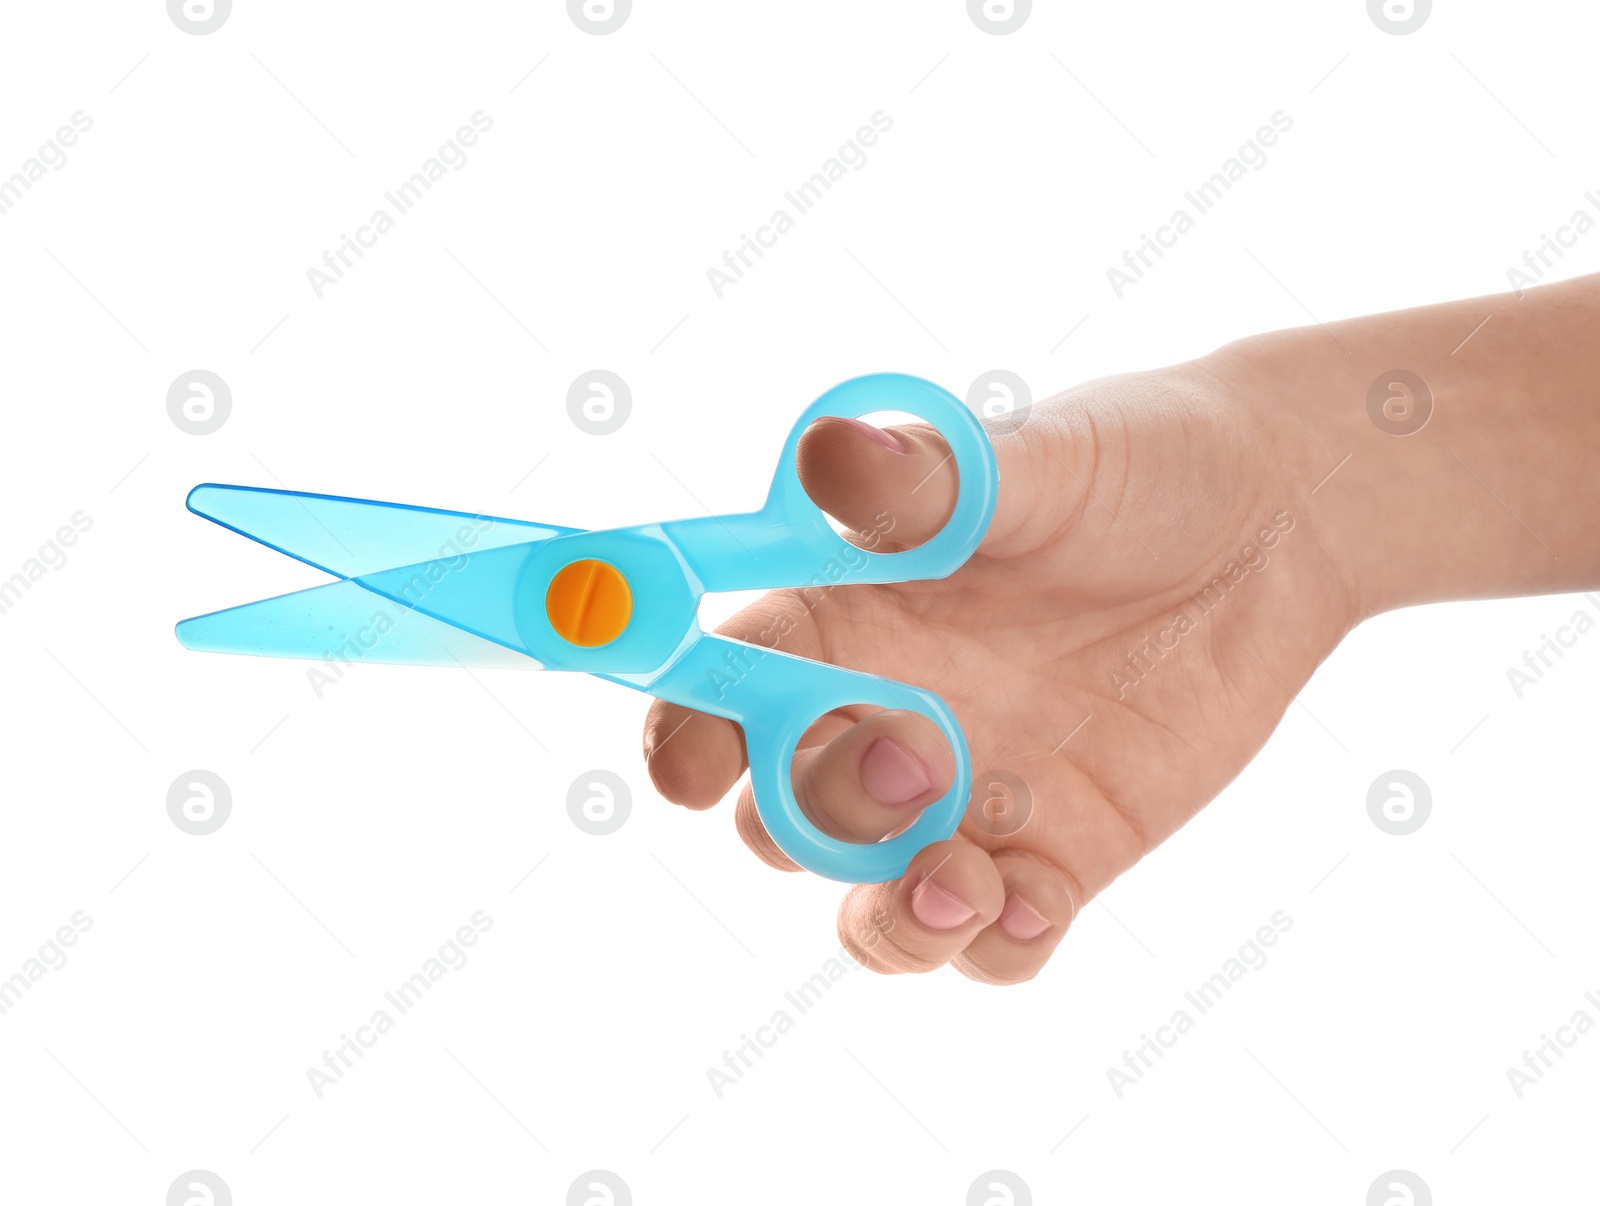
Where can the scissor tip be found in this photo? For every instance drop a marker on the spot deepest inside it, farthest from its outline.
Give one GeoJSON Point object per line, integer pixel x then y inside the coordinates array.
{"type": "Point", "coordinates": [198, 494]}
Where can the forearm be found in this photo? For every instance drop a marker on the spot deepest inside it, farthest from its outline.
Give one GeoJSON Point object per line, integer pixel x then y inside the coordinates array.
{"type": "Point", "coordinates": [1496, 493]}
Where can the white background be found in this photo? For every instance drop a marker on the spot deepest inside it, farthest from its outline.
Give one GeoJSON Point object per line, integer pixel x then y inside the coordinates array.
{"type": "Point", "coordinates": [371, 822]}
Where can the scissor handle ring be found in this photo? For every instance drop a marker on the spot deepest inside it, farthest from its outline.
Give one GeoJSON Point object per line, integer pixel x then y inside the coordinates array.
{"type": "Point", "coordinates": [772, 734]}
{"type": "Point", "coordinates": [945, 552]}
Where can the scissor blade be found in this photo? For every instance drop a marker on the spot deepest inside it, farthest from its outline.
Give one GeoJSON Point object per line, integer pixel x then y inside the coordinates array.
{"type": "Point", "coordinates": [476, 592]}
{"type": "Point", "coordinates": [350, 537]}
{"type": "Point", "coordinates": [344, 622]}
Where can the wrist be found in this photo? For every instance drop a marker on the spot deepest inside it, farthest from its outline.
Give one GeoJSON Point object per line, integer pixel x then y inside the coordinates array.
{"type": "Point", "coordinates": [1305, 399]}
{"type": "Point", "coordinates": [1436, 455]}
{"type": "Point", "coordinates": [1284, 389]}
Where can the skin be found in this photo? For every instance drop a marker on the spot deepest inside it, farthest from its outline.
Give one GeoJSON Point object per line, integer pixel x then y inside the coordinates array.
{"type": "Point", "coordinates": [1059, 644]}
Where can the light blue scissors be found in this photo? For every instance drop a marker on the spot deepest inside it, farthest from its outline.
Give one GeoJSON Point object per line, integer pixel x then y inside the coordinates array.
{"type": "Point", "coordinates": [422, 586]}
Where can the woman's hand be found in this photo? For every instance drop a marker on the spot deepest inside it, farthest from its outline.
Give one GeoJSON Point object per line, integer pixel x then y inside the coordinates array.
{"type": "Point", "coordinates": [1145, 604]}
{"type": "Point", "coordinates": [1172, 555]}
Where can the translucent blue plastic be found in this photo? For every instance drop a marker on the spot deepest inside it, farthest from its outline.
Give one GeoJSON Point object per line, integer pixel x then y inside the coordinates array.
{"type": "Point", "coordinates": [431, 587]}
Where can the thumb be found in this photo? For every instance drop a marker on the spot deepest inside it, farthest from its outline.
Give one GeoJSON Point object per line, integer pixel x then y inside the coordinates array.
{"type": "Point", "coordinates": [899, 482]}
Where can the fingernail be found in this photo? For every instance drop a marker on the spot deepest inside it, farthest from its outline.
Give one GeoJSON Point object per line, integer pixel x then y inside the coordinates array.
{"type": "Point", "coordinates": [891, 775]}
{"type": "Point", "coordinates": [878, 435]}
{"type": "Point", "coordinates": [939, 908]}
{"type": "Point", "coordinates": [1020, 920]}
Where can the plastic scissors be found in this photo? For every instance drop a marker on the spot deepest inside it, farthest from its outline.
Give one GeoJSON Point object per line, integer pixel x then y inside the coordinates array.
{"type": "Point", "coordinates": [422, 586]}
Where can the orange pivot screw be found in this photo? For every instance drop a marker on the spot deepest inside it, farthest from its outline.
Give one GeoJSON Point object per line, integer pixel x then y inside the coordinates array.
{"type": "Point", "coordinates": [589, 603]}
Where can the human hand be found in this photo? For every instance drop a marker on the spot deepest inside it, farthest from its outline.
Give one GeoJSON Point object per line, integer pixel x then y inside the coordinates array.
{"type": "Point", "coordinates": [1119, 644]}
{"type": "Point", "coordinates": [1172, 555]}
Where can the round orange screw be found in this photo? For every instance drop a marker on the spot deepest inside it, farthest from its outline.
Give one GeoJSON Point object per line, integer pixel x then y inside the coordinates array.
{"type": "Point", "coordinates": [589, 603]}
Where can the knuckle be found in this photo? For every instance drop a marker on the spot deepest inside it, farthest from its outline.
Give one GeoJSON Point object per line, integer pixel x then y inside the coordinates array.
{"type": "Point", "coordinates": [864, 934]}
{"type": "Point", "coordinates": [870, 957]}
{"type": "Point", "coordinates": [673, 777]}
{"type": "Point", "coordinates": [916, 957]}
{"type": "Point", "coordinates": [747, 822]}
{"type": "Point", "coordinates": [974, 965]}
